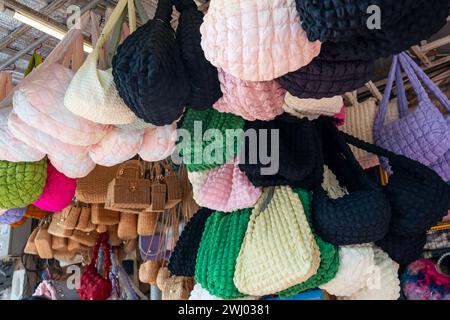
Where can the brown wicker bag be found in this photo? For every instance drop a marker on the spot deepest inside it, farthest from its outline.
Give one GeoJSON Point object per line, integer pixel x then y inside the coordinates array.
{"type": "Point", "coordinates": [43, 242]}
{"type": "Point", "coordinates": [158, 189]}
{"type": "Point", "coordinates": [59, 243]}
{"type": "Point", "coordinates": [177, 288]}
{"type": "Point", "coordinates": [87, 239]}
{"type": "Point", "coordinates": [73, 246]}
{"type": "Point", "coordinates": [30, 247]}
{"type": "Point", "coordinates": [70, 216]}
{"type": "Point", "coordinates": [56, 229]}
{"type": "Point", "coordinates": [101, 228]}
{"type": "Point", "coordinates": [94, 187]}
{"type": "Point", "coordinates": [130, 246]}
{"type": "Point", "coordinates": [129, 189]}
{"type": "Point", "coordinates": [174, 190]}
{"type": "Point", "coordinates": [147, 223]}
{"type": "Point", "coordinates": [127, 229]}
{"type": "Point", "coordinates": [114, 239]}
{"type": "Point", "coordinates": [188, 205]}
{"type": "Point", "coordinates": [64, 255]}
{"type": "Point", "coordinates": [148, 271]}
{"type": "Point", "coordinates": [100, 215]}
{"type": "Point", "coordinates": [84, 222]}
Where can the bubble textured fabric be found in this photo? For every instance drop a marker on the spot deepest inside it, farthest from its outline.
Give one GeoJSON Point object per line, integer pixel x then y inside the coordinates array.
{"type": "Point", "coordinates": [21, 183]}
{"type": "Point", "coordinates": [219, 248]}
{"type": "Point", "coordinates": [183, 258]}
{"type": "Point", "coordinates": [149, 73]}
{"type": "Point", "coordinates": [197, 149]}
{"type": "Point", "coordinates": [12, 216]}
{"type": "Point", "coordinates": [252, 100]}
{"type": "Point", "coordinates": [256, 40]}
{"type": "Point", "coordinates": [204, 81]}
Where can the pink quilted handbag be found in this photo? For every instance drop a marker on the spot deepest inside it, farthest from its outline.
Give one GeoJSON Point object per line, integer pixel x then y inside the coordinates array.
{"type": "Point", "coordinates": [256, 40]}
{"type": "Point", "coordinates": [58, 191]}
{"type": "Point", "coordinates": [252, 101]}
{"type": "Point", "coordinates": [39, 100]}
{"type": "Point", "coordinates": [228, 189]}
{"type": "Point", "coordinates": [159, 143]}
{"type": "Point", "coordinates": [119, 145]}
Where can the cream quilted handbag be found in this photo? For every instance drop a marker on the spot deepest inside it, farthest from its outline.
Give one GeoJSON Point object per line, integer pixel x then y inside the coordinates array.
{"type": "Point", "coordinates": [312, 108]}
{"type": "Point", "coordinates": [279, 250]}
{"type": "Point", "coordinates": [92, 93]}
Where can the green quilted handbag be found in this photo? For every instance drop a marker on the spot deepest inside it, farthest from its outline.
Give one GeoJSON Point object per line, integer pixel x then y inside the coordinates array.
{"type": "Point", "coordinates": [329, 256]}
{"type": "Point", "coordinates": [219, 248]}
{"type": "Point", "coordinates": [205, 149]}
{"type": "Point", "coordinates": [21, 183]}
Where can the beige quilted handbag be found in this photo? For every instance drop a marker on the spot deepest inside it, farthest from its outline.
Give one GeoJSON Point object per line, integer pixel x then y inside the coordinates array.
{"type": "Point", "coordinates": [279, 250]}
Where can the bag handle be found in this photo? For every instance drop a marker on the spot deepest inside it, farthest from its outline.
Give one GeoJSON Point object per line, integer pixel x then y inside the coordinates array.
{"type": "Point", "coordinates": [133, 165]}
{"type": "Point", "coordinates": [164, 11]}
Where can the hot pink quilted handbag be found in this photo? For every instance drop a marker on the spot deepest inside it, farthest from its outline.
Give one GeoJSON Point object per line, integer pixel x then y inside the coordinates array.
{"type": "Point", "coordinates": [228, 189]}
{"type": "Point", "coordinates": [262, 100]}
{"type": "Point", "coordinates": [159, 143]}
{"type": "Point", "coordinates": [256, 40]}
{"type": "Point", "coordinates": [39, 100]}
{"type": "Point", "coordinates": [58, 191]}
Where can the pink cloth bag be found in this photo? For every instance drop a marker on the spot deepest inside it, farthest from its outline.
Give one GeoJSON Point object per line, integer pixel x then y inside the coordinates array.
{"type": "Point", "coordinates": [159, 143]}
{"type": "Point", "coordinates": [252, 101]}
{"type": "Point", "coordinates": [58, 192]}
{"type": "Point", "coordinates": [228, 189]}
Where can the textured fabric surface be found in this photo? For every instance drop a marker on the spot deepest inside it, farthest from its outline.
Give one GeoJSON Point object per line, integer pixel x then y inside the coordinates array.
{"type": "Point", "coordinates": [149, 73]}
{"type": "Point", "coordinates": [279, 249]}
{"type": "Point", "coordinates": [21, 183]}
{"type": "Point", "coordinates": [329, 256]}
{"type": "Point", "coordinates": [256, 40]}
{"type": "Point", "coordinates": [403, 250]}
{"type": "Point", "coordinates": [300, 159]}
{"type": "Point", "coordinates": [326, 78]}
{"type": "Point", "coordinates": [312, 108]}
{"type": "Point", "coordinates": [58, 192]}
{"type": "Point", "coordinates": [199, 152]}
{"type": "Point", "coordinates": [218, 251]}
{"type": "Point", "coordinates": [158, 143]}
{"type": "Point", "coordinates": [12, 216]}
{"type": "Point", "coordinates": [205, 86]}
{"type": "Point", "coordinates": [182, 261]}
{"type": "Point", "coordinates": [252, 100]}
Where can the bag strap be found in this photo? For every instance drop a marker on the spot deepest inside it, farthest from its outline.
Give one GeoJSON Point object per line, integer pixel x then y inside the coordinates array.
{"type": "Point", "coordinates": [164, 11]}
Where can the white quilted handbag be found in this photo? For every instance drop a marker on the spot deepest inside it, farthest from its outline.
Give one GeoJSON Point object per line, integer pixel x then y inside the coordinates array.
{"type": "Point", "coordinates": [159, 143]}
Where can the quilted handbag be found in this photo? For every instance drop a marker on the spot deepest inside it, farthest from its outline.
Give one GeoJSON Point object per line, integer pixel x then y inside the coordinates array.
{"type": "Point", "coordinates": [361, 216]}
{"type": "Point", "coordinates": [153, 248]}
{"type": "Point", "coordinates": [326, 78]}
{"type": "Point", "coordinates": [39, 100]}
{"type": "Point", "coordinates": [401, 249]}
{"type": "Point", "coordinates": [205, 86]}
{"type": "Point", "coordinates": [95, 286]}
{"type": "Point", "coordinates": [256, 40]}
{"type": "Point", "coordinates": [92, 93]}
{"type": "Point", "coordinates": [329, 256]}
{"type": "Point", "coordinates": [252, 100]}
{"type": "Point", "coordinates": [353, 273]}
{"type": "Point", "coordinates": [58, 191]}
{"type": "Point", "coordinates": [218, 251]}
{"type": "Point", "coordinates": [422, 135]}
{"type": "Point", "coordinates": [383, 283]}
{"type": "Point", "coordinates": [267, 262]}
{"type": "Point", "coordinates": [158, 143]}
{"type": "Point", "coordinates": [312, 108]}
{"type": "Point", "coordinates": [21, 183]}
{"type": "Point", "coordinates": [94, 187]}
{"type": "Point", "coordinates": [200, 134]}
{"type": "Point", "coordinates": [182, 259]}
{"type": "Point", "coordinates": [227, 189]}
{"type": "Point", "coordinates": [295, 145]}
{"type": "Point", "coordinates": [119, 145]}
{"type": "Point", "coordinates": [11, 216]}
{"type": "Point", "coordinates": [149, 73]}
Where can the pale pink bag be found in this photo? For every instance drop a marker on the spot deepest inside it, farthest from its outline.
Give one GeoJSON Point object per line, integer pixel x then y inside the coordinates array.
{"type": "Point", "coordinates": [58, 192]}
{"type": "Point", "coordinates": [159, 143]}
{"type": "Point", "coordinates": [228, 189]}
{"type": "Point", "coordinates": [39, 101]}
{"type": "Point", "coordinates": [261, 100]}
{"type": "Point", "coordinates": [256, 40]}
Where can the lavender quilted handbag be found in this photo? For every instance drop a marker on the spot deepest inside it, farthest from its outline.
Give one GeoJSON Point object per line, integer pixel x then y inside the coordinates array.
{"type": "Point", "coordinates": [423, 134]}
{"type": "Point", "coordinates": [153, 248]}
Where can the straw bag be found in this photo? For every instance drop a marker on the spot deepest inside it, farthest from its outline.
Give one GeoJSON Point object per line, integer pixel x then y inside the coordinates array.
{"type": "Point", "coordinates": [84, 238]}
{"type": "Point", "coordinates": [166, 191]}
{"type": "Point", "coordinates": [92, 93]}
{"type": "Point", "coordinates": [422, 135]}
{"type": "Point", "coordinates": [39, 100]}
{"type": "Point", "coordinates": [43, 243]}
{"type": "Point", "coordinates": [205, 86]}
{"type": "Point", "coordinates": [148, 271]}
{"type": "Point", "coordinates": [219, 248]}
{"type": "Point", "coordinates": [102, 216]}
{"type": "Point", "coordinates": [227, 189]}
{"type": "Point", "coordinates": [70, 216]}
{"type": "Point", "coordinates": [55, 228]}
{"type": "Point", "coordinates": [93, 188]}
{"type": "Point", "coordinates": [129, 189]}
{"type": "Point", "coordinates": [73, 246]}
{"type": "Point", "coordinates": [58, 192]}
{"type": "Point", "coordinates": [193, 152]}
{"type": "Point", "coordinates": [278, 217]}
{"type": "Point", "coordinates": [21, 183]}
{"type": "Point", "coordinates": [114, 239]}
{"type": "Point", "coordinates": [12, 216]}
{"type": "Point", "coordinates": [147, 223]}
{"type": "Point", "coordinates": [174, 287]}
{"type": "Point", "coordinates": [127, 229]}
{"type": "Point", "coordinates": [149, 73]}
{"type": "Point", "coordinates": [101, 228]}
{"type": "Point", "coordinates": [84, 221]}
{"type": "Point", "coordinates": [30, 247]}
{"type": "Point", "coordinates": [188, 205]}
{"type": "Point", "coordinates": [258, 48]}
{"type": "Point", "coordinates": [262, 100]}
{"type": "Point", "coordinates": [59, 244]}
{"type": "Point", "coordinates": [94, 286]}
{"type": "Point", "coordinates": [312, 108]}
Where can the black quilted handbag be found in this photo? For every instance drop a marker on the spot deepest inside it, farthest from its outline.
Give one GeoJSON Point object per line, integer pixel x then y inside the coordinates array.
{"type": "Point", "coordinates": [183, 258]}
{"type": "Point", "coordinates": [403, 250]}
{"type": "Point", "coordinates": [204, 79]}
{"type": "Point", "coordinates": [149, 73]}
{"type": "Point", "coordinates": [361, 216]}
{"type": "Point", "coordinates": [299, 158]}
{"type": "Point", "coordinates": [327, 78]}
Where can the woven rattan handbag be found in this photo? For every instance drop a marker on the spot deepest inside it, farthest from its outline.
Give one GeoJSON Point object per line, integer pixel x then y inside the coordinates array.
{"type": "Point", "coordinates": [93, 187]}
{"type": "Point", "coordinates": [84, 221]}
{"type": "Point", "coordinates": [56, 229]}
{"type": "Point", "coordinates": [70, 216]}
{"type": "Point", "coordinates": [30, 247]}
{"type": "Point", "coordinates": [43, 242]}
{"type": "Point", "coordinates": [102, 216]}
{"type": "Point", "coordinates": [127, 229]}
